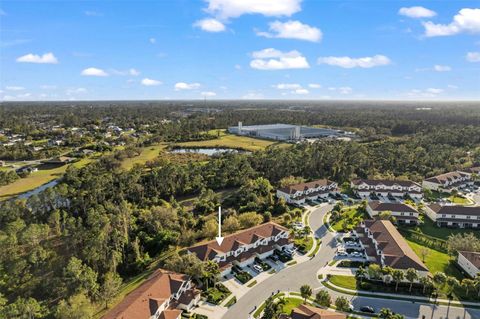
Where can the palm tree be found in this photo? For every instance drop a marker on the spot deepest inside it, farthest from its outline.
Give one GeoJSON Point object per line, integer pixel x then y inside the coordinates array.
{"type": "Point", "coordinates": [452, 283]}
{"type": "Point", "coordinates": [385, 313]}
{"type": "Point", "coordinates": [411, 276]}
{"type": "Point", "coordinates": [273, 309]}
{"type": "Point", "coordinates": [306, 291]}
{"type": "Point", "coordinates": [210, 273]}
{"type": "Point", "coordinates": [426, 282]}
{"type": "Point", "coordinates": [439, 278]}
{"type": "Point", "coordinates": [323, 298]}
{"type": "Point", "coordinates": [360, 273]}
{"type": "Point", "coordinates": [477, 283]}
{"type": "Point", "coordinates": [398, 276]}
{"type": "Point", "coordinates": [467, 284]}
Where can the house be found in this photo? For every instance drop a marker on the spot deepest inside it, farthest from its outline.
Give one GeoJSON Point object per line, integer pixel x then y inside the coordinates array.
{"type": "Point", "coordinates": [454, 215]}
{"type": "Point", "coordinates": [448, 182]}
{"type": "Point", "coordinates": [298, 193]}
{"type": "Point", "coordinates": [472, 170]}
{"type": "Point", "coordinates": [59, 160]}
{"type": "Point", "coordinates": [241, 248]}
{"type": "Point", "coordinates": [162, 296]}
{"type": "Point", "coordinates": [365, 187]}
{"type": "Point", "coordinates": [310, 312]}
{"type": "Point", "coordinates": [469, 261]}
{"type": "Point", "coordinates": [385, 246]}
{"type": "Point", "coordinates": [26, 169]}
{"type": "Point", "coordinates": [403, 213]}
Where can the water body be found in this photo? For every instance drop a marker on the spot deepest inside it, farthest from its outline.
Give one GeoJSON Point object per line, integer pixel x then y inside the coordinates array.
{"type": "Point", "coordinates": [38, 190]}
{"type": "Point", "coordinates": [206, 151]}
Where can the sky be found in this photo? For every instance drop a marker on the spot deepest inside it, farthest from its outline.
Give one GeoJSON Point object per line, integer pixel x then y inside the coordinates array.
{"type": "Point", "coordinates": [239, 49]}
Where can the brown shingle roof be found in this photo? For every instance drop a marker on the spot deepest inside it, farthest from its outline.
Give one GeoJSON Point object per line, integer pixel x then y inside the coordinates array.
{"type": "Point", "coordinates": [473, 257]}
{"type": "Point", "coordinates": [291, 189]}
{"type": "Point", "coordinates": [144, 301]}
{"type": "Point", "coordinates": [392, 207]}
{"type": "Point", "coordinates": [396, 250]}
{"type": "Point", "coordinates": [447, 177]}
{"type": "Point", "coordinates": [455, 209]}
{"type": "Point", "coordinates": [209, 250]}
{"type": "Point", "coordinates": [309, 312]}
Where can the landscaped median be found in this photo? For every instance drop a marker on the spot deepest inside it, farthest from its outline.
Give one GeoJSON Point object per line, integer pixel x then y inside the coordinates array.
{"type": "Point", "coordinates": [352, 286]}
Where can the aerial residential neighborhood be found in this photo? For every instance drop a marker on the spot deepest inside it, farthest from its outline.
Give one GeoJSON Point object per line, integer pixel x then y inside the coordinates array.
{"type": "Point", "coordinates": [239, 159]}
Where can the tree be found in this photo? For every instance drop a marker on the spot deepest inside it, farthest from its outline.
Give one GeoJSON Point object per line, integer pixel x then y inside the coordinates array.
{"type": "Point", "coordinates": [305, 291]}
{"type": "Point", "coordinates": [424, 252]}
{"type": "Point", "coordinates": [342, 304]}
{"type": "Point", "coordinates": [360, 273]}
{"type": "Point", "coordinates": [77, 307]}
{"type": "Point", "coordinates": [323, 298]}
{"type": "Point", "coordinates": [386, 313]}
{"type": "Point", "coordinates": [374, 271]}
{"type": "Point", "coordinates": [110, 287]}
{"type": "Point", "coordinates": [398, 276]}
{"type": "Point", "coordinates": [386, 215]}
{"type": "Point", "coordinates": [249, 219]}
{"type": "Point", "coordinates": [231, 224]}
{"type": "Point", "coordinates": [27, 308]}
{"type": "Point", "coordinates": [411, 276]}
{"type": "Point", "coordinates": [210, 274]}
{"type": "Point", "coordinates": [273, 308]}
{"type": "Point", "coordinates": [439, 278]}
{"type": "Point", "coordinates": [468, 284]}
{"type": "Point", "coordinates": [80, 277]}
{"type": "Point", "coordinates": [452, 283]}
{"type": "Point", "coordinates": [426, 282]}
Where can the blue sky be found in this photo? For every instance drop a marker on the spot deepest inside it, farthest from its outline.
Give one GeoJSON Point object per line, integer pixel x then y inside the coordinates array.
{"type": "Point", "coordinates": [234, 49]}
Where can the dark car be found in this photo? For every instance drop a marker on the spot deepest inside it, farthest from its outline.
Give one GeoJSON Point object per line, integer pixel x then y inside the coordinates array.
{"type": "Point", "coordinates": [367, 309]}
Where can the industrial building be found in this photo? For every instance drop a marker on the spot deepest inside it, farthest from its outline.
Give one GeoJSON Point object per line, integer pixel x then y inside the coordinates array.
{"type": "Point", "coordinates": [286, 132]}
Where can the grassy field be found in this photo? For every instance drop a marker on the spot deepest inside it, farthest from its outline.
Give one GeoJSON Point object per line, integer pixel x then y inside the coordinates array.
{"type": "Point", "coordinates": [348, 282]}
{"type": "Point", "coordinates": [232, 141]}
{"type": "Point", "coordinates": [430, 229]}
{"type": "Point", "coordinates": [437, 260]}
{"type": "Point", "coordinates": [44, 175]}
{"type": "Point", "coordinates": [147, 154]}
{"type": "Point", "coordinates": [459, 200]}
{"type": "Point", "coordinates": [290, 304]}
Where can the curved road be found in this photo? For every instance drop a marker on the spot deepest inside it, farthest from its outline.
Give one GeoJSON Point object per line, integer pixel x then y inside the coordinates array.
{"type": "Point", "coordinates": [291, 278]}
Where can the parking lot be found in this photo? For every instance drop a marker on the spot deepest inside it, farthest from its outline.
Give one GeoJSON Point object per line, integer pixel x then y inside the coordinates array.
{"type": "Point", "coordinates": [350, 248]}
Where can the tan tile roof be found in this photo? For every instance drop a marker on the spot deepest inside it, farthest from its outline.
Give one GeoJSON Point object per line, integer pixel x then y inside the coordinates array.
{"type": "Point", "coordinates": [447, 177]}
{"type": "Point", "coordinates": [291, 189]}
{"type": "Point", "coordinates": [209, 250]}
{"type": "Point", "coordinates": [375, 182]}
{"type": "Point", "coordinates": [310, 312]}
{"type": "Point", "coordinates": [145, 300]}
{"type": "Point", "coordinates": [396, 250]}
{"type": "Point", "coordinates": [473, 257]}
{"type": "Point", "coordinates": [455, 209]}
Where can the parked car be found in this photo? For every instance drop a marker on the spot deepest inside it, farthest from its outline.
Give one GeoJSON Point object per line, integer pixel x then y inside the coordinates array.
{"type": "Point", "coordinates": [257, 268]}
{"type": "Point", "coordinates": [342, 253]}
{"type": "Point", "coordinates": [367, 309]}
{"type": "Point", "coordinates": [289, 251]}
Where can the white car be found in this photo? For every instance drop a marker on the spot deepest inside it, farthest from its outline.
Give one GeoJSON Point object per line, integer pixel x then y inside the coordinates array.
{"type": "Point", "coordinates": [342, 253]}
{"type": "Point", "coordinates": [257, 268]}
{"type": "Point", "coordinates": [289, 251]}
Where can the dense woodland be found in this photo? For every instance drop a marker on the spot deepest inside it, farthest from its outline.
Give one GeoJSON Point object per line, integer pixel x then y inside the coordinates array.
{"type": "Point", "coordinates": [61, 252]}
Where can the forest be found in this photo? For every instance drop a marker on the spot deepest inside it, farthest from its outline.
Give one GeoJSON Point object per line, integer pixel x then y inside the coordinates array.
{"type": "Point", "coordinates": [62, 251]}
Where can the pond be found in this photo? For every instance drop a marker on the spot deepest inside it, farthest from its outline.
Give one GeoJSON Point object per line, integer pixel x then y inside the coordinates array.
{"type": "Point", "coordinates": [205, 151]}
{"type": "Point", "coordinates": [38, 190]}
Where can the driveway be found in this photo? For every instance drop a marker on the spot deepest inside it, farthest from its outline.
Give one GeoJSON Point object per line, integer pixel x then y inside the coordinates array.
{"type": "Point", "coordinates": [291, 278]}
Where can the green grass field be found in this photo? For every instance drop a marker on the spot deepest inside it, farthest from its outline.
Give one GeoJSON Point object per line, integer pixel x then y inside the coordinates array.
{"type": "Point", "coordinates": [147, 154]}
{"type": "Point", "coordinates": [232, 141]}
{"type": "Point", "coordinates": [348, 282]}
{"type": "Point", "coordinates": [437, 260]}
{"type": "Point", "coordinates": [459, 200]}
{"type": "Point", "coordinates": [290, 304]}
{"type": "Point", "coordinates": [352, 215]}
{"type": "Point", "coordinates": [44, 175]}
{"type": "Point", "coordinates": [430, 229]}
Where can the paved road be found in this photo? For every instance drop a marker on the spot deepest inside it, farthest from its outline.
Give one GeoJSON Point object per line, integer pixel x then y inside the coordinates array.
{"type": "Point", "coordinates": [291, 278]}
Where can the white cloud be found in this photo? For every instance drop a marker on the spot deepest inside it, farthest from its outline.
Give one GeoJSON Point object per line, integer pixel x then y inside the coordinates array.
{"type": "Point", "coordinates": [2, 13]}
{"type": "Point", "coordinates": [314, 86]}
{"type": "Point", "coordinates": [453, 87]}
{"type": "Point", "coordinates": [417, 12]}
{"type": "Point", "coordinates": [208, 94]}
{"type": "Point", "coordinates": [342, 89]}
{"type": "Point", "coordinates": [93, 72]}
{"type": "Point", "coordinates": [14, 88]}
{"type": "Point", "coordinates": [287, 86]}
{"type": "Point", "coordinates": [93, 14]}
{"type": "Point", "coordinates": [292, 30]}
{"type": "Point", "coordinates": [238, 66]}
{"type": "Point", "coordinates": [75, 91]}
{"type": "Point", "coordinates": [186, 86]}
{"type": "Point", "coordinates": [48, 87]}
{"type": "Point", "coordinates": [150, 82]}
{"type": "Point", "coordinates": [225, 9]}
{"type": "Point", "coordinates": [272, 59]}
{"type": "Point", "coordinates": [210, 25]}
{"type": "Point", "coordinates": [253, 96]}
{"type": "Point", "coordinates": [426, 93]}
{"type": "Point", "coordinates": [300, 91]}
{"type": "Point", "coordinates": [347, 62]}
{"type": "Point", "coordinates": [466, 21]}
{"type": "Point", "coordinates": [441, 68]}
{"type": "Point", "coordinates": [473, 57]}
{"type": "Point", "coordinates": [131, 71]}
{"type": "Point", "coordinates": [152, 40]}
{"type": "Point", "coordinates": [46, 58]}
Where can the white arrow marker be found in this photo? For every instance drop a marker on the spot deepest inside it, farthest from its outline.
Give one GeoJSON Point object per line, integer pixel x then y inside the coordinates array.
{"type": "Point", "coordinates": [219, 238]}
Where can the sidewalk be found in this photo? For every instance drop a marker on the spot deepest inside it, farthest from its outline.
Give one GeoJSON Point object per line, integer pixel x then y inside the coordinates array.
{"type": "Point", "coordinates": [399, 296]}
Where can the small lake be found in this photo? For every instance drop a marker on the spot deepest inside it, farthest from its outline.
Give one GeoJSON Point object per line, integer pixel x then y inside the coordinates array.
{"type": "Point", "coordinates": [205, 151]}
{"type": "Point", "coordinates": [38, 190]}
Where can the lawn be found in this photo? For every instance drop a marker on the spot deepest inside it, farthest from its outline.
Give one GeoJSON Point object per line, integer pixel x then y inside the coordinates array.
{"type": "Point", "coordinates": [459, 200]}
{"type": "Point", "coordinates": [348, 282]}
{"type": "Point", "coordinates": [45, 174]}
{"type": "Point", "coordinates": [304, 244]}
{"type": "Point", "coordinates": [290, 304]}
{"type": "Point", "coordinates": [351, 215]}
{"type": "Point", "coordinates": [232, 141]}
{"type": "Point", "coordinates": [436, 260]}
{"type": "Point", "coordinates": [430, 229]}
{"type": "Point", "coordinates": [147, 154]}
